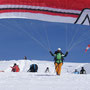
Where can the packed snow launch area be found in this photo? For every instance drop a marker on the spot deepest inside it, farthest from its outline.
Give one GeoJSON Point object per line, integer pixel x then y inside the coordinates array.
{"type": "Point", "coordinates": [24, 80]}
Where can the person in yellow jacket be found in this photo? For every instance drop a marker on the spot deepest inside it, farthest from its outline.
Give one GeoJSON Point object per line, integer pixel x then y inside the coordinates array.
{"type": "Point", "coordinates": [58, 57]}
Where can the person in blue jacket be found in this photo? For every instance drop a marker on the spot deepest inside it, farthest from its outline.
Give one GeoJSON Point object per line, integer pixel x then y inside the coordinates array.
{"type": "Point", "coordinates": [76, 71]}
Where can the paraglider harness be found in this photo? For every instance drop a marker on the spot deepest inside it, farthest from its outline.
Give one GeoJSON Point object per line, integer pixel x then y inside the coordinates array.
{"type": "Point", "coordinates": [58, 56]}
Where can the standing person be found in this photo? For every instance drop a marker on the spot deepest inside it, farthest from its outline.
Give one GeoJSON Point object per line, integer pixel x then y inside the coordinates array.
{"type": "Point", "coordinates": [58, 57]}
{"type": "Point", "coordinates": [25, 58]}
{"type": "Point", "coordinates": [15, 68]}
{"type": "Point", "coordinates": [82, 71]}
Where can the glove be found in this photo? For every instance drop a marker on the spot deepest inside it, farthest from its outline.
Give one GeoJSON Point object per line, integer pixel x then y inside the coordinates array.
{"type": "Point", "coordinates": [66, 52]}
{"type": "Point", "coordinates": [50, 52]}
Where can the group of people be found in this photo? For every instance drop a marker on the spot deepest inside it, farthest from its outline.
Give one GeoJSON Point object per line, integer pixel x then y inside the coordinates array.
{"type": "Point", "coordinates": [82, 71]}
{"type": "Point", "coordinates": [58, 58]}
{"type": "Point", "coordinates": [33, 68]}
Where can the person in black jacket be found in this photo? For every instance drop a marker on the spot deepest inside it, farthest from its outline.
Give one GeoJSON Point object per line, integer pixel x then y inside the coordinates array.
{"type": "Point", "coordinates": [25, 58]}
{"type": "Point", "coordinates": [47, 70]}
{"type": "Point", "coordinates": [33, 68]}
{"type": "Point", "coordinates": [82, 71]}
{"type": "Point", "coordinates": [58, 57]}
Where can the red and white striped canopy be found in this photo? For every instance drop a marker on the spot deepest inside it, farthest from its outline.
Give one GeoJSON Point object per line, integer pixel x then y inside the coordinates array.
{"type": "Point", "coordinates": [66, 11]}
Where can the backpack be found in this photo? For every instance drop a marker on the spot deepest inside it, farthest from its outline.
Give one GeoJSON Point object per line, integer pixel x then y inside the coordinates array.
{"type": "Point", "coordinates": [58, 56]}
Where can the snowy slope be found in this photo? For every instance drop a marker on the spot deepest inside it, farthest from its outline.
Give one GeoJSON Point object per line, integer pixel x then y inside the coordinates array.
{"type": "Point", "coordinates": [41, 80]}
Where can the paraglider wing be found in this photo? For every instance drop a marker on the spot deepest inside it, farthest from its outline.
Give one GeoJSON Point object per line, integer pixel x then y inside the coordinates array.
{"type": "Point", "coordinates": [46, 10]}
{"type": "Point", "coordinates": [87, 48]}
{"type": "Point", "coordinates": [62, 11]}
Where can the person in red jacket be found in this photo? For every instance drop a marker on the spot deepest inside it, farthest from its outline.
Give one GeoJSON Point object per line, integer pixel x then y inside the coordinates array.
{"type": "Point", "coordinates": [15, 68]}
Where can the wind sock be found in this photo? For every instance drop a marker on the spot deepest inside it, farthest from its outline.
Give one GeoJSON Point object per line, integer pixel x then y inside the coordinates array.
{"type": "Point", "coordinates": [87, 48]}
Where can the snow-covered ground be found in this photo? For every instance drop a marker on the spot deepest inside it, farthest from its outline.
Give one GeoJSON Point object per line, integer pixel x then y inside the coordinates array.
{"type": "Point", "coordinates": [24, 80]}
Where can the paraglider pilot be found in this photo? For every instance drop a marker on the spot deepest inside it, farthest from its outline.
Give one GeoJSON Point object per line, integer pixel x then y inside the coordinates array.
{"type": "Point", "coordinates": [58, 57]}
